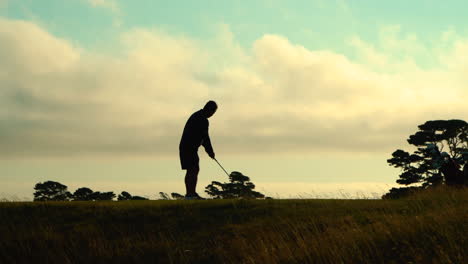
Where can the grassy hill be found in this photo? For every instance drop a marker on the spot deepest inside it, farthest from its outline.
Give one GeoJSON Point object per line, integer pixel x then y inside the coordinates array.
{"type": "Point", "coordinates": [428, 228]}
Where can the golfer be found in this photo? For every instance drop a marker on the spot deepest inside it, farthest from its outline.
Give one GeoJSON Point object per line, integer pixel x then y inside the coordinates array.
{"type": "Point", "coordinates": [195, 134]}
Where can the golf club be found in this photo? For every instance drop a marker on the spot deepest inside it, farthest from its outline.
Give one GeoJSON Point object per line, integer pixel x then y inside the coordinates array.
{"type": "Point", "coordinates": [222, 167]}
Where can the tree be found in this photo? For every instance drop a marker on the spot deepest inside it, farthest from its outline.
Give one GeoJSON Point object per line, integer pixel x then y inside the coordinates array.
{"type": "Point", "coordinates": [125, 196]}
{"type": "Point", "coordinates": [440, 144]}
{"type": "Point", "coordinates": [83, 194]}
{"type": "Point", "coordinates": [139, 198]}
{"type": "Point", "coordinates": [163, 196]}
{"type": "Point", "coordinates": [177, 196]}
{"type": "Point", "coordinates": [239, 186]}
{"type": "Point", "coordinates": [395, 193]}
{"type": "Point", "coordinates": [103, 196]}
{"type": "Point", "coordinates": [51, 191]}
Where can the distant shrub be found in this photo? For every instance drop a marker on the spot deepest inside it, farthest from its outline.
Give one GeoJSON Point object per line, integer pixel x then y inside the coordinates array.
{"type": "Point", "coordinates": [239, 186]}
{"type": "Point", "coordinates": [164, 196]}
{"type": "Point", "coordinates": [177, 196]}
{"type": "Point", "coordinates": [396, 193]}
{"type": "Point", "coordinates": [83, 194]}
{"type": "Point", "coordinates": [125, 196]}
{"type": "Point", "coordinates": [51, 191]}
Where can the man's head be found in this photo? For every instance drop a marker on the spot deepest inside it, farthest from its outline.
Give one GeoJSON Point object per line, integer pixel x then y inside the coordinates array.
{"type": "Point", "coordinates": [210, 108]}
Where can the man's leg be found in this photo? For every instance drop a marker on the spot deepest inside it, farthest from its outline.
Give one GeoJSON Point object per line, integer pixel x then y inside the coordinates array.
{"type": "Point", "coordinates": [191, 178]}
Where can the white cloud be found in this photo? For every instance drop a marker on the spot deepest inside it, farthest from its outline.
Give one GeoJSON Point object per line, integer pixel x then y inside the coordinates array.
{"type": "Point", "coordinates": [369, 53]}
{"type": "Point", "coordinates": [33, 45]}
{"type": "Point", "coordinates": [59, 99]}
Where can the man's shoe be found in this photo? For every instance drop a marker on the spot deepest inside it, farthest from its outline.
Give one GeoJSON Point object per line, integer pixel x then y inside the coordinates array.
{"type": "Point", "coordinates": [194, 197]}
{"type": "Point", "coordinates": [188, 197]}
{"type": "Point", "coordinates": [199, 197]}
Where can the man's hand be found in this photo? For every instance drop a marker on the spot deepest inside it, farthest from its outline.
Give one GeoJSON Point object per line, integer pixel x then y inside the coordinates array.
{"type": "Point", "coordinates": [212, 155]}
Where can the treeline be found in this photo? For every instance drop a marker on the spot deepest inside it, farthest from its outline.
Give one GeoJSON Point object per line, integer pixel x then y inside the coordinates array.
{"type": "Point", "coordinates": [238, 187]}
{"type": "Point", "coordinates": [55, 191]}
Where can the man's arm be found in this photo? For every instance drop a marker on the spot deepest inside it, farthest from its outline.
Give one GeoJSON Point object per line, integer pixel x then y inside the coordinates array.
{"type": "Point", "coordinates": [207, 142]}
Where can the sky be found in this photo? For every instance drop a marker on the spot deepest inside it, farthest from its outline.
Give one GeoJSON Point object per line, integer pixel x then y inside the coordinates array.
{"type": "Point", "coordinates": [313, 96]}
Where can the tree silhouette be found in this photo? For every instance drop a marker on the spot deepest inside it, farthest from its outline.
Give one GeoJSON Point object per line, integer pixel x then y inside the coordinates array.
{"type": "Point", "coordinates": [177, 196]}
{"type": "Point", "coordinates": [125, 196]}
{"type": "Point", "coordinates": [395, 193]}
{"type": "Point", "coordinates": [163, 196]}
{"type": "Point", "coordinates": [103, 196]}
{"type": "Point", "coordinates": [54, 191]}
{"type": "Point", "coordinates": [441, 147]}
{"type": "Point", "coordinates": [83, 194]}
{"type": "Point", "coordinates": [139, 198]}
{"type": "Point", "coordinates": [239, 186]}
{"type": "Point", "coordinates": [51, 191]}
{"type": "Point", "coordinates": [465, 168]}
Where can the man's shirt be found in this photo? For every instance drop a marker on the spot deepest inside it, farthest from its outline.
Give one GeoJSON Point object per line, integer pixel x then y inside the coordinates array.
{"type": "Point", "coordinates": [196, 133]}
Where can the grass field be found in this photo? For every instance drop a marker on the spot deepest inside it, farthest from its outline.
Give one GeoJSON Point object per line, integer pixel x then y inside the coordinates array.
{"type": "Point", "coordinates": [427, 228]}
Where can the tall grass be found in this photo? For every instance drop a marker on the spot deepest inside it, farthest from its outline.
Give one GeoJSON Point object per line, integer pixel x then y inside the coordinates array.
{"type": "Point", "coordinates": [429, 227]}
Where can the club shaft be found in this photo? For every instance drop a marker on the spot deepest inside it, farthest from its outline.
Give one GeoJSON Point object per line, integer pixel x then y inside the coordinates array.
{"type": "Point", "coordinates": [222, 167]}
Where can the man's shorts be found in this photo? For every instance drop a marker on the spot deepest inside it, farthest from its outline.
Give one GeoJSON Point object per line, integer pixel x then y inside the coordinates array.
{"type": "Point", "coordinates": [189, 158]}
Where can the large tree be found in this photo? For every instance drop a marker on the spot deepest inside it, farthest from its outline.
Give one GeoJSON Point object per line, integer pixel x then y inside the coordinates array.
{"type": "Point", "coordinates": [239, 186]}
{"type": "Point", "coordinates": [440, 145]}
{"type": "Point", "coordinates": [51, 191]}
{"type": "Point", "coordinates": [83, 194]}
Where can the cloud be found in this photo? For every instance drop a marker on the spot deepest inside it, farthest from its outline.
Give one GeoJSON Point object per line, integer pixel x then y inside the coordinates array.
{"type": "Point", "coordinates": [277, 97]}
{"type": "Point", "coordinates": [369, 53]}
{"type": "Point", "coordinates": [33, 45]}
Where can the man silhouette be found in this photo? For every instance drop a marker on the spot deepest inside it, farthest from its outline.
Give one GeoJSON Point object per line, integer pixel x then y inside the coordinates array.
{"type": "Point", "coordinates": [195, 134]}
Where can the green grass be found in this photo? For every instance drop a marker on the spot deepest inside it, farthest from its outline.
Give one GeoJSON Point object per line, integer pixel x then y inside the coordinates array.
{"type": "Point", "coordinates": [428, 228]}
